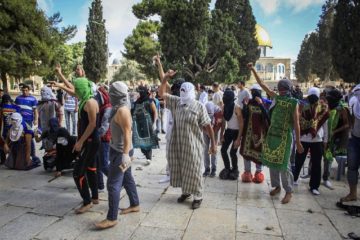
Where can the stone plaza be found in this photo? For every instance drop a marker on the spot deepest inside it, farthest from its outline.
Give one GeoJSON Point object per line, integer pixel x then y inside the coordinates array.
{"type": "Point", "coordinates": [31, 207]}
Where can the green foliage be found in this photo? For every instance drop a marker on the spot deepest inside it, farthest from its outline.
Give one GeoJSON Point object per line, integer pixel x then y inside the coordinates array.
{"type": "Point", "coordinates": [129, 71]}
{"type": "Point", "coordinates": [227, 70]}
{"type": "Point", "coordinates": [305, 60]}
{"type": "Point", "coordinates": [142, 45]}
{"type": "Point", "coordinates": [322, 59]}
{"type": "Point", "coordinates": [345, 40]}
{"type": "Point", "coordinates": [96, 49]}
{"type": "Point", "coordinates": [28, 38]}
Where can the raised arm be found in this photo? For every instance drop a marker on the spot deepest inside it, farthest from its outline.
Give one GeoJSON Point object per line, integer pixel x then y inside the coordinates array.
{"type": "Point", "coordinates": [68, 86]}
{"type": "Point", "coordinates": [270, 92]}
{"type": "Point", "coordinates": [165, 84]}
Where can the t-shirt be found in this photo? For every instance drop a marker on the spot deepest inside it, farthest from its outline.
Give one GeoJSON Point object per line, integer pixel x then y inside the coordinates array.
{"type": "Point", "coordinates": [203, 98]}
{"type": "Point", "coordinates": [217, 98]}
{"type": "Point", "coordinates": [243, 97]}
{"type": "Point", "coordinates": [70, 103]}
{"type": "Point", "coordinates": [27, 105]}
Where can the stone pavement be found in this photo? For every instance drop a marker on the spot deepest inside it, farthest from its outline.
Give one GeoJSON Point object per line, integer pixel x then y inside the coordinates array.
{"type": "Point", "coordinates": [33, 208]}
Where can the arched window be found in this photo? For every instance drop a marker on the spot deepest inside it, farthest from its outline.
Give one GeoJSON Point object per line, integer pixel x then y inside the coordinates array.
{"type": "Point", "coordinates": [269, 68]}
{"type": "Point", "coordinates": [259, 67]}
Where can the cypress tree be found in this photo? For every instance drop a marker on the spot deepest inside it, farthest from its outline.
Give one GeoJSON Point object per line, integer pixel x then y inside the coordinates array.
{"type": "Point", "coordinates": [305, 63]}
{"type": "Point", "coordinates": [95, 52]}
{"type": "Point", "coordinates": [345, 40]}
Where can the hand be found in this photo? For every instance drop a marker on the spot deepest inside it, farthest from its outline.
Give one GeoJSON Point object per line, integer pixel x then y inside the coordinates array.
{"type": "Point", "coordinates": [156, 59]}
{"type": "Point", "coordinates": [78, 146]}
{"type": "Point", "coordinates": [258, 100]}
{"type": "Point", "coordinates": [236, 143]}
{"type": "Point", "coordinates": [299, 148]}
{"type": "Point", "coordinates": [213, 149]}
{"type": "Point", "coordinates": [170, 74]}
{"type": "Point", "coordinates": [126, 162]}
{"type": "Point", "coordinates": [54, 84]}
{"type": "Point", "coordinates": [250, 65]}
{"type": "Point", "coordinates": [58, 68]}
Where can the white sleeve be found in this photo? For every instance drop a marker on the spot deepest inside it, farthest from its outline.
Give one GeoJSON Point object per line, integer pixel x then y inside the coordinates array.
{"type": "Point", "coordinates": [326, 131]}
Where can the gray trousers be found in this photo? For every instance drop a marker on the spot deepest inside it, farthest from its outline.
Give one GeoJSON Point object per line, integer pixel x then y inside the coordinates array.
{"type": "Point", "coordinates": [247, 166]}
{"type": "Point", "coordinates": [73, 116]}
{"type": "Point", "coordinates": [207, 156]}
{"type": "Point", "coordinates": [287, 179]}
{"type": "Point", "coordinates": [353, 160]}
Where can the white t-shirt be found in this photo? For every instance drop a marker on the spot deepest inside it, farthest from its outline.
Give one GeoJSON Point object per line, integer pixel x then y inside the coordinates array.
{"type": "Point", "coordinates": [203, 99]}
{"type": "Point", "coordinates": [243, 96]}
{"type": "Point", "coordinates": [217, 98]}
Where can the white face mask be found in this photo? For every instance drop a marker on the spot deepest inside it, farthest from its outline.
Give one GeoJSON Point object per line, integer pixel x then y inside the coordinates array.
{"type": "Point", "coordinates": [187, 93]}
{"type": "Point", "coordinates": [62, 141]}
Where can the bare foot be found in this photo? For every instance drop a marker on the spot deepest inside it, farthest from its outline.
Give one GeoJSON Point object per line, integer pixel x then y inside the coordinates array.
{"type": "Point", "coordinates": [348, 198]}
{"type": "Point", "coordinates": [95, 201]}
{"type": "Point", "coordinates": [287, 198]}
{"type": "Point", "coordinates": [57, 174]}
{"type": "Point", "coordinates": [104, 224]}
{"type": "Point", "coordinates": [275, 191]}
{"type": "Point", "coordinates": [130, 210]}
{"type": "Point", "coordinates": [83, 208]}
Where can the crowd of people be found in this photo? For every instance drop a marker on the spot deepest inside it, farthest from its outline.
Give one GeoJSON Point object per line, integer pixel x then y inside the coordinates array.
{"type": "Point", "coordinates": [104, 125]}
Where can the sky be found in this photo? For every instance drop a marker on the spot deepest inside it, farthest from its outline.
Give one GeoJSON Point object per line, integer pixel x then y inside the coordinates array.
{"type": "Point", "coordinates": [286, 21]}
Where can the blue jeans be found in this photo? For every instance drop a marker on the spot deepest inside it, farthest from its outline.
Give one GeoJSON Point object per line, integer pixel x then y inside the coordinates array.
{"type": "Point", "coordinates": [116, 180]}
{"type": "Point", "coordinates": [207, 156]}
{"type": "Point", "coordinates": [73, 116]}
{"type": "Point", "coordinates": [353, 160]}
{"type": "Point", "coordinates": [102, 161]}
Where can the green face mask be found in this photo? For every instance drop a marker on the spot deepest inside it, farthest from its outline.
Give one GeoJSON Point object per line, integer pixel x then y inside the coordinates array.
{"type": "Point", "coordinates": [83, 91]}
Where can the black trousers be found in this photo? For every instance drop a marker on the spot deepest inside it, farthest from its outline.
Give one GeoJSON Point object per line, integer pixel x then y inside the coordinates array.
{"type": "Point", "coordinates": [147, 153]}
{"type": "Point", "coordinates": [85, 171]}
{"type": "Point", "coordinates": [316, 153]}
{"type": "Point", "coordinates": [230, 136]}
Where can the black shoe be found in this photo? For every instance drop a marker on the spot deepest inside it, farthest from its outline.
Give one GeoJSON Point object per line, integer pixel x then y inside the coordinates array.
{"type": "Point", "coordinates": [207, 172]}
{"type": "Point", "coordinates": [183, 197]}
{"type": "Point", "coordinates": [224, 174]}
{"type": "Point", "coordinates": [163, 132]}
{"type": "Point", "coordinates": [213, 173]}
{"type": "Point", "coordinates": [196, 204]}
{"type": "Point", "coordinates": [234, 174]}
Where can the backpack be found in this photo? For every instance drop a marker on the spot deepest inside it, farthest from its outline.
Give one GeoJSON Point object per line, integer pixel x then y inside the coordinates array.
{"type": "Point", "coordinates": [143, 136]}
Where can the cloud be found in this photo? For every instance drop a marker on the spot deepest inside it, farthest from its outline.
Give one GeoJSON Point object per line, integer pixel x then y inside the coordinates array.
{"type": "Point", "coordinates": [45, 5]}
{"type": "Point", "coordinates": [277, 21]}
{"type": "Point", "coordinates": [271, 7]}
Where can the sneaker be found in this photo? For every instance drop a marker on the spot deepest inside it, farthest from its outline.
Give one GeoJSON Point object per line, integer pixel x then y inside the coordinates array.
{"type": "Point", "coordinates": [315, 192]}
{"type": "Point", "coordinates": [183, 197]}
{"type": "Point", "coordinates": [165, 179]}
{"type": "Point", "coordinates": [206, 173]}
{"type": "Point", "coordinates": [148, 162]}
{"type": "Point", "coordinates": [101, 190]}
{"type": "Point", "coordinates": [328, 184]}
{"type": "Point", "coordinates": [296, 183]}
{"type": "Point", "coordinates": [196, 204]}
{"type": "Point", "coordinates": [305, 176]}
{"type": "Point", "coordinates": [246, 177]}
{"type": "Point", "coordinates": [258, 177]}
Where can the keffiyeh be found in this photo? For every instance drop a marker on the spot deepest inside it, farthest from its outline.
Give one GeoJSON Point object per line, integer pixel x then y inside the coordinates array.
{"type": "Point", "coordinates": [187, 93]}
{"type": "Point", "coordinates": [17, 128]}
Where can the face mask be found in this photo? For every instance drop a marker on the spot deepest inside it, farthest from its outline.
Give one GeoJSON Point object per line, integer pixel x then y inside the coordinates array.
{"type": "Point", "coordinates": [62, 141]}
{"type": "Point", "coordinates": [256, 93]}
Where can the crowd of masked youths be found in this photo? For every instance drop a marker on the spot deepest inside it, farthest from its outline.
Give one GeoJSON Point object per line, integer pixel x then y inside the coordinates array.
{"type": "Point", "coordinates": [277, 131]}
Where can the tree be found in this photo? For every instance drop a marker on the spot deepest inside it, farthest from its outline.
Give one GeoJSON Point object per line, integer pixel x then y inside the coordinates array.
{"type": "Point", "coordinates": [129, 71]}
{"type": "Point", "coordinates": [322, 52]}
{"type": "Point", "coordinates": [304, 64]}
{"type": "Point", "coordinates": [345, 40]}
{"type": "Point", "coordinates": [142, 45]}
{"type": "Point", "coordinates": [95, 53]}
{"type": "Point", "coordinates": [28, 38]}
{"type": "Point", "coordinates": [243, 28]}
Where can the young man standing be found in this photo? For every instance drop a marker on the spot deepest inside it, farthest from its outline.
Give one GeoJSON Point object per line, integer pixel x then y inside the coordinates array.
{"type": "Point", "coordinates": [277, 147]}
{"type": "Point", "coordinates": [243, 95]}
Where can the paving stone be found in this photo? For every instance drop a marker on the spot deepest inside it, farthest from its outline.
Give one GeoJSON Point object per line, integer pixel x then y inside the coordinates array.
{"type": "Point", "coordinates": [167, 213]}
{"type": "Point", "coordinates": [303, 225]}
{"type": "Point", "coordinates": [8, 213]}
{"type": "Point", "coordinates": [328, 198]}
{"type": "Point", "coordinates": [152, 181]}
{"type": "Point", "coordinates": [257, 220]}
{"type": "Point", "coordinates": [299, 202]}
{"type": "Point", "coordinates": [252, 236]}
{"type": "Point", "coordinates": [219, 201]}
{"type": "Point", "coordinates": [216, 185]}
{"type": "Point", "coordinates": [253, 187]}
{"type": "Point", "coordinates": [212, 224]}
{"type": "Point", "coordinates": [34, 198]}
{"type": "Point", "coordinates": [344, 223]}
{"type": "Point", "coordinates": [26, 227]}
{"type": "Point", "coordinates": [143, 232]}
{"type": "Point", "coordinates": [255, 199]}
{"type": "Point", "coordinates": [7, 195]}
{"type": "Point", "coordinates": [70, 227]}
{"type": "Point", "coordinates": [147, 197]}
{"type": "Point", "coordinates": [60, 205]}
{"type": "Point", "coordinates": [123, 230]}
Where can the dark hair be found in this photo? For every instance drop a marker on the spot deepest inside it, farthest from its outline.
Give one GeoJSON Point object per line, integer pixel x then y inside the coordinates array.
{"type": "Point", "coordinates": [215, 84]}
{"type": "Point", "coordinates": [25, 86]}
{"type": "Point", "coordinates": [242, 83]}
{"type": "Point", "coordinates": [202, 87]}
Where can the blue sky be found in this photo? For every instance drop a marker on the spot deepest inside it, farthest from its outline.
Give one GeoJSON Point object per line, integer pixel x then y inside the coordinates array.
{"type": "Point", "coordinates": [287, 21]}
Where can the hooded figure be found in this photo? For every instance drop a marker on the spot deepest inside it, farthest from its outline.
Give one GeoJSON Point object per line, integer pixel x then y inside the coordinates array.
{"type": "Point", "coordinates": [47, 94]}
{"type": "Point", "coordinates": [48, 108]}
{"type": "Point", "coordinates": [229, 104]}
{"type": "Point", "coordinates": [285, 87]}
{"type": "Point", "coordinates": [83, 90]}
{"type": "Point", "coordinates": [187, 93]}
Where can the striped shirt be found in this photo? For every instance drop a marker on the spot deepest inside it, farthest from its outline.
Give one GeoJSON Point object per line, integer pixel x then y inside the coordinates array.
{"type": "Point", "coordinates": [27, 106]}
{"type": "Point", "coordinates": [70, 103]}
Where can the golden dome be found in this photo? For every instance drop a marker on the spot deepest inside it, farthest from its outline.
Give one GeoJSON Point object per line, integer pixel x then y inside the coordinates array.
{"type": "Point", "coordinates": [263, 37]}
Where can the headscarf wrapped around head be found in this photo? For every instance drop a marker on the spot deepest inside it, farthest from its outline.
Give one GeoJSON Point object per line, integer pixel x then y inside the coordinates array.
{"type": "Point", "coordinates": [17, 128]}
{"type": "Point", "coordinates": [118, 93]}
{"type": "Point", "coordinates": [144, 94]}
{"type": "Point", "coordinates": [229, 104]}
{"type": "Point", "coordinates": [313, 95]}
{"type": "Point", "coordinates": [285, 87]}
{"type": "Point", "coordinates": [83, 91]}
{"type": "Point", "coordinates": [355, 101]}
{"type": "Point", "coordinates": [47, 94]}
{"type": "Point", "coordinates": [187, 93]}
{"type": "Point", "coordinates": [255, 91]}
